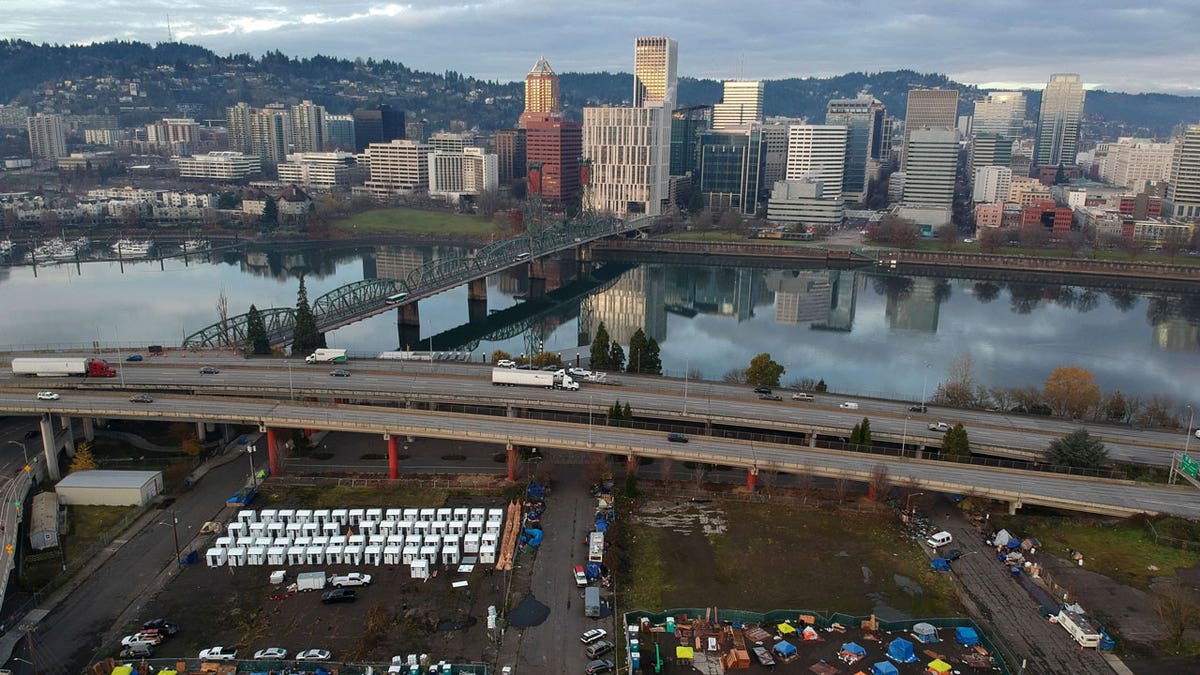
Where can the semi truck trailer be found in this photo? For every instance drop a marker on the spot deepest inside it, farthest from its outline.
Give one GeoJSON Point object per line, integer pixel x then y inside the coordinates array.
{"type": "Point", "coordinates": [62, 367]}
{"type": "Point", "coordinates": [533, 378]}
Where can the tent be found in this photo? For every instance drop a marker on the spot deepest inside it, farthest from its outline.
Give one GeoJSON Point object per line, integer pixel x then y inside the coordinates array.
{"type": "Point", "coordinates": [884, 668]}
{"type": "Point", "coordinates": [938, 666]}
{"type": "Point", "coordinates": [810, 633]}
{"type": "Point", "coordinates": [854, 648]}
{"type": "Point", "coordinates": [925, 633]}
{"type": "Point", "coordinates": [682, 652]}
{"type": "Point", "coordinates": [966, 636]}
{"type": "Point", "coordinates": [1002, 538]}
{"type": "Point", "coordinates": [784, 648]}
{"type": "Point", "coordinates": [785, 628]}
{"type": "Point", "coordinates": [940, 565]}
{"type": "Point", "coordinates": [901, 650]}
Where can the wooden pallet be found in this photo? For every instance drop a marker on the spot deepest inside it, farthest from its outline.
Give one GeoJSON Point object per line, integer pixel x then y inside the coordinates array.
{"type": "Point", "coordinates": [512, 531]}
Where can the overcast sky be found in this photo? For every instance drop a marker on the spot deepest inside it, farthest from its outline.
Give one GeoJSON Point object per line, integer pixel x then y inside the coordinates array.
{"type": "Point", "coordinates": [1114, 45]}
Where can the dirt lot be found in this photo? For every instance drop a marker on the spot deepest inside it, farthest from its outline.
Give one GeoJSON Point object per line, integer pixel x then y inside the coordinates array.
{"type": "Point", "coordinates": [396, 615]}
{"type": "Point", "coordinates": [762, 557]}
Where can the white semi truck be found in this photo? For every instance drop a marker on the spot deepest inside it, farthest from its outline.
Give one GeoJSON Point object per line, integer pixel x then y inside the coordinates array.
{"type": "Point", "coordinates": [326, 356]}
{"type": "Point", "coordinates": [516, 377]}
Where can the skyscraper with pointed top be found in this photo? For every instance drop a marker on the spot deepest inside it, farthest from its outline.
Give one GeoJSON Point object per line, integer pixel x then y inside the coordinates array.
{"type": "Point", "coordinates": [541, 93]}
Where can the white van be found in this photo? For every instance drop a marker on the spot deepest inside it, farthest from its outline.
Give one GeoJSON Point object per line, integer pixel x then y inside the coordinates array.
{"type": "Point", "coordinates": [802, 397]}
{"type": "Point", "coordinates": [849, 405]}
{"type": "Point", "coordinates": [939, 539]}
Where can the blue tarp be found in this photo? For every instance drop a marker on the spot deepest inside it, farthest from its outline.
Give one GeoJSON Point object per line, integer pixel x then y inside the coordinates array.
{"type": "Point", "coordinates": [884, 668]}
{"type": "Point", "coordinates": [533, 537]}
{"type": "Point", "coordinates": [940, 565]}
{"type": "Point", "coordinates": [901, 650]}
{"type": "Point", "coordinates": [854, 648]}
{"type": "Point", "coordinates": [593, 571]}
{"type": "Point", "coordinates": [601, 525]}
{"type": "Point", "coordinates": [966, 636]}
{"type": "Point", "coordinates": [784, 648]}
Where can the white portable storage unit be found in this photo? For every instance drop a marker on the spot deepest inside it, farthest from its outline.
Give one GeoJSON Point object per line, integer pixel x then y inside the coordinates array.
{"type": "Point", "coordinates": [314, 555]}
{"type": "Point", "coordinates": [420, 569]}
{"type": "Point", "coordinates": [375, 515]}
{"type": "Point", "coordinates": [412, 514]}
{"type": "Point", "coordinates": [321, 541]}
{"type": "Point", "coordinates": [393, 514]}
{"type": "Point", "coordinates": [487, 554]}
{"type": "Point", "coordinates": [495, 514]}
{"type": "Point", "coordinates": [377, 540]}
{"type": "Point", "coordinates": [445, 514]}
{"type": "Point", "coordinates": [236, 530]}
{"type": "Point", "coordinates": [256, 555]}
{"type": "Point", "coordinates": [372, 554]}
{"type": "Point", "coordinates": [451, 551]}
{"type": "Point", "coordinates": [268, 516]}
{"type": "Point", "coordinates": [286, 516]}
{"type": "Point", "coordinates": [462, 513]}
{"type": "Point", "coordinates": [237, 557]}
{"type": "Point", "coordinates": [395, 540]}
{"type": "Point", "coordinates": [275, 530]}
{"type": "Point", "coordinates": [413, 540]}
{"type": "Point", "coordinates": [330, 529]}
{"type": "Point", "coordinates": [458, 527]}
{"type": "Point", "coordinates": [311, 529]}
{"type": "Point", "coordinates": [429, 554]}
{"type": "Point", "coordinates": [475, 526]}
{"type": "Point", "coordinates": [276, 556]}
{"type": "Point", "coordinates": [490, 539]}
{"type": "Point", "coordinates": [281, 541]}
{"type": "Point", "coordinates": [356, 516]}
{"type": "Point", "coordinates": [432, 540]}
{"type": "Point", "coordinates": [423, 527]}
{"type": "Point", "coordinates": [294, 530]}
{"type": "Point", "coordinates": [321, 516]}
{"type": "Point", "coordinates": [387, 527]}
{"type": "Point", "coordinates": [410, 554]}
{"type": "Point", "coordinates": [295, 555]}
{"type": "Point", "coordinates": [492, 527]}
{"type": "Point", "coordinates": [263, 542]}
{"type": "Point", "coordinates": [406, 526]}
{"type": "Point", "coordinates": [258, 530]}
{"type": "Point", "coordinates": [353, 555]}
{"type": "Point", "coordinates": [217, 556]}
{"type": "Point", "coordinates": [304, 516]}
{"type": "Point", "coordinates": [391, 555]}
{"type": "Point", "coordinates": [340, 539]}
{"type": "Point", "coordinates": [303, 541]}
{"type": "Point", "coordinates": [333, 554]}
{"type": "Point", "coordinates": [244, 542]}
{"type": "Point", "coordinates": [224, 542]}
{"type": "Point", "coordinates": [478, 514]}
{"type": "Point", "coordinates": [439, 526]}
{"type": "Point", "coordinates": [366, 527]}
{"type": "Point", "coordinates": [428, 515]}
{"type": "Point", "coordinates": [356, 539]}
{"type": "Point", "coordinates": [471, 543]}
{"type": "Point", "coordinates": [247, 516]}
{"type": "Point", "coordinates": [340, 516]}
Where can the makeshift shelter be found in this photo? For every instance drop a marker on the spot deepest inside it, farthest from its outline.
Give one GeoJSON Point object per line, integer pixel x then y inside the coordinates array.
{"type": "Point", "coordinates": [940, 565]}
{"type": "Point", "coordinates": [852, 652]}
{"type": "Point", "coordinates": [785, 628]}
{"type": "Point", "coordinates": [784, 649]}
{"type": "Point", "coordinates": [966, 636]}
{"type": "Point", "coordinates": [937, 667]}
{"type": "Point", "coordinates": [901, 651]}
{"type": "Point", "coordinates": [925, 633]}
{"type": "Point", "coordinates": [884, 668]}
{"type": "Point", "coordinates": [1002, 538]}
{"type": "Point", "coordinates": [809, 634]}
{"type": "Point", "coordinates": [684, 653]}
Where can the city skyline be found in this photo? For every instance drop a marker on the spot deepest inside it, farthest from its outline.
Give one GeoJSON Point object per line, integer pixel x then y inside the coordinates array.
{"type": "Point", "coordinates": [1153, 52]}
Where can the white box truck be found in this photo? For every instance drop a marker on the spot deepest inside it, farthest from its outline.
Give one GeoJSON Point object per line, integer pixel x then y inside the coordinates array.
{"type": "Point", "coordinates": [326, 356]}
{"type": "Point", "coordinates": [310, 581]}
{"type": "Point", "coordinates": [516, 377]}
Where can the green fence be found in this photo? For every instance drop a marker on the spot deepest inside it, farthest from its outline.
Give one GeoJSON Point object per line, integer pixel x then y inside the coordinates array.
{"type": "Point", "coordinates": [276, 666]}
{"type": "Point", "coordinates": [780, 615]}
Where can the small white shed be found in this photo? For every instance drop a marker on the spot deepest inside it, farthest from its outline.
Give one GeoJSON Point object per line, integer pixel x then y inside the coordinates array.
{"type": "Point", "coordinates": [43, 525]}
{"type": "Point", "coordinates": [108, 487]}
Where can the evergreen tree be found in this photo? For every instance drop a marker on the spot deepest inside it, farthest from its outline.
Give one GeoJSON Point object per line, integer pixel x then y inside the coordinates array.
{"type": "Point", "coordinates": [627, 415]}
{"type": "Point", "coordinates": [600, 348]}
{"type": "Point", "coordinates": [821, 386]}
{"type": "Point", "coordinates": [270, 215]}
{"type": "Point", "coordinates": [306, 337]}
{"type": "Point", "coordinates": [614, 414]}
{"type": "Point", "coordinates": [856, 435]}
{"type": "Point", "coordinates": [864, 432]}
{"type": "Point", "coordinates": [955, 444]}
{"type": "Point", "coordinates": [653, 364]}
{"type": "Point", "coordinates": [256, 333]}
{"type": "Point", "coordinates": [637, 352]}
{"type": "Point", "coordinates": [616, 357]}
{"type": "Point", "coordinates": [1077, 449]}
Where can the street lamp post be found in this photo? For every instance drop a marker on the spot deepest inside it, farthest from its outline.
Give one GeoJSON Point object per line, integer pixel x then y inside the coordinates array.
{"type": "Point", "coordinates": [904, 436]}
{"type": "Point", "coordinates": [175, 534]}
{"type": "Point", "coordinates": [250, 454]}
{"type": "Point", "coordinates": [686, 363]}
{"type": "Point", "coordinates": [1187, 439]}
{"type": "Point", "coordinates": [924, 384]}
{"type": "Point", "coordinates": [291, 389]}
{"type": "Point", "coordinates": [591, 400]}
{"type": "Point", "coordinates": [909, 499]}
{"type": "Point", "coordinates": [24, 452]}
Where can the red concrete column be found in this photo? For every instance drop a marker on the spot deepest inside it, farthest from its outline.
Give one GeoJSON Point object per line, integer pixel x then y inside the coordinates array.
{"type": "Point", "coordinates": [751, 479]}
{"type": "Point", "coordinates": [273, 452]}
{"type": "Point", "coordinates": [393, 457]}
{"type": "Point", "coordinates": [630, 464]}
{"type": "Point", "coordinates": [512, 463]}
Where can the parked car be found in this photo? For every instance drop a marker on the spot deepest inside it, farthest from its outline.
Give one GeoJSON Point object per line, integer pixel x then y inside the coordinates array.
{"type": "Point", "coordinates": [138, 650]}
{"type": "Point", "coordinates": [592, 635]}
{"type": "Point", "coordinates": [47, 396]}
{"type": "Point", "coordinates": [351, 579]}
{"type": "Point", "coordinates": [598, 649]}
{"type": "Point", "coordinates": [579, 372]}
{"type": "Point", "coordinates": [762, 390]}
{"type": "Point", "coordinates": [218, 654]}
{"type": "Point", "coordinates": [1198, 433]}
{"type": "Point", "coordinates": [134, 357]}
{"type": "Point", "coordinates": [676, 437]}
{"type": "Point", "coordinates": [770, 397]}
{"type": "Point", "coordinates": [939, 426]}
{"type": "Point", "coordinates": [339, 595]}
{"type": "Point", "coordinates": [599, 666]}
{"type": "Point", "coordinates": [209, 370]}
{"type": "Point", "coordinates": [313, 655]}
{"type": "Point", "coordinates": [918, 407]}
{"type": "Point", "coordinates": [551, 368]}
{"type": "Point", "coordinates": [273, 653]}
{"type": "Point", "coordinates": [141, 398]}
{"type": "Point", "coordinates": [952, 555]}
{"type": "Point", "coordinates": [162, 625]}
{"type": "Point", "coordinates": [339, 372]}
{"type": "Point", "coordinates": [848, 405]}
{"type": "Point", "coordinates": [149, 637]}
{"type": "Point", "coordinates": [506, 363]}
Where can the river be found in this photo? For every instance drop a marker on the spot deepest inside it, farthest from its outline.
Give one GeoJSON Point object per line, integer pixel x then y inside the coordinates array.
{"type": "Point", "coordinates": [863, 332]}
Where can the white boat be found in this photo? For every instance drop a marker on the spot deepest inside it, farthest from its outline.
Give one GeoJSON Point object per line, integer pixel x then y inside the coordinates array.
{"type": "Point", "coordinates": [6, 246]}
{"type": "Point", "coordinates": [55, 249]}
{"type": "Point", "coordinates": [195, 245]}
{"type": "Point", "coordinates": [128, 248]}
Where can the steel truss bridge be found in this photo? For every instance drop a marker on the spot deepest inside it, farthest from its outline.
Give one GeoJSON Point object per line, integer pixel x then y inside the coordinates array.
{"type": "Point", "coordinates": [361, 299]}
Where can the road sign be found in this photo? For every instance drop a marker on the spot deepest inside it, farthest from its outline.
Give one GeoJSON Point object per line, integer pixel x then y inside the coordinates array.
{"type": "Point", "coordinates": [1188, 466]}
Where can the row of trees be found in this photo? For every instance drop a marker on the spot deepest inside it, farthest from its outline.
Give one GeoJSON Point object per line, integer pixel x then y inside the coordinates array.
{"type": "Point", "coordinates": [305, 336]}
{"type": "Point", "coordinates": [643, 357]}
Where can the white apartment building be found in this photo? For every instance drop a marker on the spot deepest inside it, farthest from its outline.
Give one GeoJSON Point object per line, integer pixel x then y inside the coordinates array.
{"type": "Point", "coordinates": [451, 142]}
{"type": "Point", "coordinates": [47, 137]}
{"type": "Point", "coordinates": [225, 165]}
{"type": "Point", "coordinates": [468, 172]}
{"type": "Point", "coordinates": [992, 184]}
{"type": "Point", "coordinates": [629, 149]}
{"type": "Point", "coordinates": [818, 151]}
{"type": "Point", "coordinates": [271, 134]}
{"type": "Point", "coordinates": [309, 131]}
{"type": "Point", "coordinates": [317, 169]}
{"type": "Point", "coordinates": [740, 105]}
{"type": "Point", "coordinates": [1026, 191]}
{"type": "Point", "coordinates": [1130, 162]}
{"type": "Point", "coordinates": [397, 167]}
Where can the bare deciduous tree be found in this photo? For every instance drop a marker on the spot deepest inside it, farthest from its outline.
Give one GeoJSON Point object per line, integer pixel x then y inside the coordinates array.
{"type": "Point", "coordinates": [223, 315]}
{"type": "Point", "coordinates": [1176, 608]}
{"type": "Point", "coordinates": [881, 481]}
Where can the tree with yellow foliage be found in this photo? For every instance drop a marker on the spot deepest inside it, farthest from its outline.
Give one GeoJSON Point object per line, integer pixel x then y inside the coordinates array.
{"type": "Point", "coordinates": [83, 460]}
{"type": "Point", "coordinates": [1071, 391]}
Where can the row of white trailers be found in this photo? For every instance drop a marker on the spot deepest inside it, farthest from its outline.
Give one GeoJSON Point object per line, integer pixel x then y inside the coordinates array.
{"type": "Point", "coordinates": [447, 551]}
{"type": "Point", "coordinates": [358, 517]}
{"type": "Point", "coordinates": [383, 528]}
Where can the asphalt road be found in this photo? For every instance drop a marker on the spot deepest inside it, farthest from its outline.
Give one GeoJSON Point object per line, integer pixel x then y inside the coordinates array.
{"type": "Point", "coordinates": [1025, 487]}
{"type": "Point", "coordinates": [671, 399]}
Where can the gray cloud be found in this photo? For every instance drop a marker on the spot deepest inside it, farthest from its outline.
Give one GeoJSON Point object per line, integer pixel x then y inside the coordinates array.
{"type": "Point", "coordinates": [1112, 44]}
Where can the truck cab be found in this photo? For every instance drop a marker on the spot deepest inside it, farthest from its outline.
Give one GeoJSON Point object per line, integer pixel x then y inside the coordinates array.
{"type": "Point", "coordinates": [580, 576]}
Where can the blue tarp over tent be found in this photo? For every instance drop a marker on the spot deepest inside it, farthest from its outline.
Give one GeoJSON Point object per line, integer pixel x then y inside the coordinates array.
{"type": "Point", "coordinates": [901, 650]}
{"type": "Point", "coordinates": [854, 648]}
{"type": "Point", "coordinates": [784, 648]}
{"type": "Point", "coordinates": [940, 565]}
{"type": "Point", "coordinates": [601, 525]}
{"type": "Point", "coordinates": [884, 668]}
{"type": "Point", "coordinates": [966, 636]}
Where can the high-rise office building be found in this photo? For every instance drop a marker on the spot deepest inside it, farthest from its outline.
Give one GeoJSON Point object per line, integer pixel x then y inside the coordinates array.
{"type": "Point", "coordinates": [775, 144]}
{"type": "Point", "coordinates": [1058, 120]}
{"type": "Point", "coordinates": [237, 121]}
{"type": "Point", "coordinates": [553, 146]}
{"type": "Point", "coordinates": [686, 124]}
{"type": "Point", "coordinates": [932, 108]}
{"type": "Point", "coordinates": [818, 151]}
{"type": "Point", "coordinates": [1001, 113]}
{"type": "Point", "coordinates": [991, 184]}
{"type": "Point", "coordinates": [380, 124]}
{"type": "Point", "coordinates": [341, 131]}
{"type": "Point", "coordinates": [628, 178]}
{"type": "Point", "coordinates": [309, 129]}
{"type": "Point", "coordinates": [1184, 192]}
{"type": "Point", "coordinates": [47, 137]}
{"type": "Point", "coordinates": [397, 167]}
{"type": "Point", "coordinates": [510, 155]}
{"type": "Point", "coordinates": [654, 72]}
{"type": "Point", "coordinates": [730, 168]}
{"type": "Point", "coordinates": [541, 92]}
{"type": "Point", "coordinates": [741, 104]}
{"type": "Point", "coordinates": [863, 119]}
{"type": "Point", "coordinates": [990, 150]}
{"type": "Point", "coordinates": [271, 134]}
{"type": "Point", "coordinates": [469, 171]}
{"type": "Point", "coordinates": [1133, 161]}
{"type": "Point", "coordinates": [932, 156]}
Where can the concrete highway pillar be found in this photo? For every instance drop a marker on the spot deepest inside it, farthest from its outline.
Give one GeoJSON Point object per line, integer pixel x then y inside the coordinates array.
{"type": "Point", "coordinates": [89, 429]}
{"type": "Point", "coordinates": [512, 462]}
{"type": "Point", "coordinates": [273, 452]}
{"type": "Point", "coordinates": [537, 279]}
{"type": "Point", "coordinates": [477, 309]}
{"type": "Point", "coordinates": [751, 478]}
{"type": "Point", "coordinates": [68, 437]}
{"type": "Point", "coordinates": [408, 326]}
{"type": "Point", "coordinates": [201, 431]}
{"type": "Point", "coordinates": [1013, 506]}
{"type": "Point", "coordinates": [50, 447]}
{"type": "Point", "coordinates": [812, 438]}
{"type": "Point", "coordinates": [393, 457]}
{"type": "Point", "coordinates": [630, 464]}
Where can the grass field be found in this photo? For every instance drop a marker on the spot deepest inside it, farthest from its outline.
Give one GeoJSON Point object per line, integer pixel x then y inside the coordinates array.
{"type": "Point", "coordinates": [413, 221]}
{"type": "Point", "coordinates": [1124, 552]}
{"type": "Point", "coordinates": [771, 557]}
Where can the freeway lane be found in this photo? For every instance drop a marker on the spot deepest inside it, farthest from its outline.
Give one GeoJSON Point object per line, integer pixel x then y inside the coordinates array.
{"type": "Point", "coordinates": [668, 398]}
{"type": "Point", "coordinates": [1099, 496]}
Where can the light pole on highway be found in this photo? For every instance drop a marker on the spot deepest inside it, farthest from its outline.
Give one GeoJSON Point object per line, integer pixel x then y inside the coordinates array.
{"type": "Point", "coordinates": [250, 454]}
{"type": "Point", "coordinates": [1187, 439]}
{"type": "Point", "coordinates": [591, 400]}
{"type": "Point", "coordinates": [24, 452]}
{"type": "Point", "coordinates": [291, 390]}
{"type": "Point", "coordinates": [904, 436]}
{"type": "Point", "coordinates": [175, 532]}
{"type": "Point", "coordinates": [686, 361]}
{"type": "Point", "coordinates": [924, 384]}
{"type": "Point", "coordinates": [909, 499]}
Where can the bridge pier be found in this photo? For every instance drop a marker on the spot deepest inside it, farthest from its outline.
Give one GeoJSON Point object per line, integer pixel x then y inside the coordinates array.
{"type": "Point", "coordinates": [512, 462]}
{"type": "Point", "coordinates": [89, 429]}
{"type": "Point", "coordinates": [393, 456]}
{"type": "Point", "coordinates": [537, 279]}
{"type": "Point", "coordinates": [408, 325]}
{"type": "Point", "coordinates": [68, 436]}
{"type": "Point", "coordinates": [50, 447]}
{"type": "Point", "coordinates": [1013, 506]}
{"type": "Point", "coordinates": [751, 478]}
{"type": "Point", "coordinates": [812, 438]}
{"type": "Point", "coordinates": [477, 309]}
{"type": "Point", "coordinates": [630, 464]}
{"type": "Point", "coordinates": [201, 431]}
{"type": "Point", "coordinates": [273, 451]}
